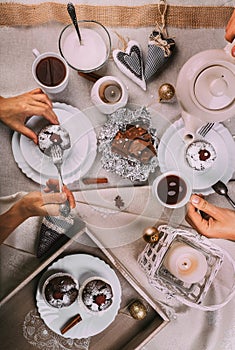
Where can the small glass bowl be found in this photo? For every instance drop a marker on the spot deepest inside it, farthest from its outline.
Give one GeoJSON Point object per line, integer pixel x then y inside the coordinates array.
{"type": "Point", "coordinates": [94, 50]}
{"type": "Point", "coordinates": [60, 290]}
{"type": "Point", "coordinates": [99, 299]}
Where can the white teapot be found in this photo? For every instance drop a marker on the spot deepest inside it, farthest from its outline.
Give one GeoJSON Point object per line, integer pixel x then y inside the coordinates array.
{"type": "Point", "coordinates": [205, 88]}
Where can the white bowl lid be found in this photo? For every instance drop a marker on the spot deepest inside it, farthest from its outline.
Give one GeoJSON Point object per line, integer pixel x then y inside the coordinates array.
{"type": "Point", "coordinates": [214, 87]}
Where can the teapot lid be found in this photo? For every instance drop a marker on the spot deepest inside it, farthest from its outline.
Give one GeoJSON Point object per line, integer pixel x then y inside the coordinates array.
{"type": "Point", "coordinates": [214, 87]}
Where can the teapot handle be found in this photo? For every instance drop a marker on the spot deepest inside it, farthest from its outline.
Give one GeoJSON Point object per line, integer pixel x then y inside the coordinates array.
{"type": "Point", "coordinates": [230, 49]}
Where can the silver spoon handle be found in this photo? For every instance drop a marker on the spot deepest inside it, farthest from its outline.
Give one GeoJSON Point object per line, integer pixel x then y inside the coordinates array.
{"type": "Point", "coordinates": [72, 14]}
{"type": "Point", "coordinates": [230, 200]}
{"type": "Point", "coordinates": [65, 208]}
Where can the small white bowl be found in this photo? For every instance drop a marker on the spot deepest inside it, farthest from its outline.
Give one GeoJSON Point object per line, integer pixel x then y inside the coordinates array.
{"type": "Point", "coordinates": [99, 300]}
{"type": "Point", "coordinates": [63, 294]}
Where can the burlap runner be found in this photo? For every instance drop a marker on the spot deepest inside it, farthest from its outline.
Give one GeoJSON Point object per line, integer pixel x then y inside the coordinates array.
{"type": "Point", "coordinates": [13, 14]}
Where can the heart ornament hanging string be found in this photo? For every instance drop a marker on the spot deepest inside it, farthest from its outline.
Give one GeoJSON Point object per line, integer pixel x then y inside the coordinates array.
{"type": "Point", "coordinates": [160, 46]}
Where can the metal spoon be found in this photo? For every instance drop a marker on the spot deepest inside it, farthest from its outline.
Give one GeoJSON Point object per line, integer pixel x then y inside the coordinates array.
{"type": "Point", "coordinates": [220, 188]}
{"type": "Point", "coordinates": [72, 14]}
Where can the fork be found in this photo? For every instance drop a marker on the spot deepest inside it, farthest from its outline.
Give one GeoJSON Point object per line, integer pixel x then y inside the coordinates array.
{"type": "Point", "coordinates": [57, 158]}
{"type": "Point", "coordinates": [205, 129]}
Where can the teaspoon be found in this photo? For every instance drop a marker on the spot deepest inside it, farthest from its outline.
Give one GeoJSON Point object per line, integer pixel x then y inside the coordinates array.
{"type": "Point", "coordinates": [72, 14]}
{"type": "Point", "coordinates": [220, 188]}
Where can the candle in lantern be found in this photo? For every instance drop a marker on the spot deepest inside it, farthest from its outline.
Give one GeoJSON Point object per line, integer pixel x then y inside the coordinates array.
{"type": "Point", "coordinates": [186, 263]}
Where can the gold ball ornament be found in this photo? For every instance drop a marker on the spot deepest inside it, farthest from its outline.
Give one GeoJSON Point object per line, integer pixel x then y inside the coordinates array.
{"type": "Point", "coordinates": [166, 92]}
{"type": "Point", "coordinates": [138, 310]}
{"type": "Point", "coordinates": [151, 234]}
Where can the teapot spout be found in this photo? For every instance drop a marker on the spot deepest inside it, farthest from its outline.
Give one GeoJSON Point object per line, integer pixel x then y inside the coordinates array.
{"type": "Point", "coordinates": [192, 124]}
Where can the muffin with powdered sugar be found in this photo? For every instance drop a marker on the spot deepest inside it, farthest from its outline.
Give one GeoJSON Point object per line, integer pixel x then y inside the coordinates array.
{"type": "Point", "coordinates": [200, 155]}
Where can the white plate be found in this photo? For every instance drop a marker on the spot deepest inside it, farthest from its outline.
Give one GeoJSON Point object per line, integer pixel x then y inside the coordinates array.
{"type": "Point", "coordinates": [78, 127]}
{"type": "Point", "coordinates": [80, 266]}
{"type": "Point", "coordinates": [41, 178]}
{"type": "Point", "coordinates": [171, 156]}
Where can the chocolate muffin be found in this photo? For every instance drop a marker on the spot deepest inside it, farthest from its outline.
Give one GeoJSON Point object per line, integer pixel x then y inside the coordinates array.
{"type": "Point", "coordinates": [200, 155]}
{"type": "Point", "coordinates": [53, 135]}
{"type": "Point", "coordinates": [60, 290]}
{"type": "Point", "coordinates": [96, 295]}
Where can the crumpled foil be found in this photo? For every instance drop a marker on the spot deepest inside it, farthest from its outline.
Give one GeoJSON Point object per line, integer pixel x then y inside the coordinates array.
{"type": "Point", "coordinates": [127, 167]}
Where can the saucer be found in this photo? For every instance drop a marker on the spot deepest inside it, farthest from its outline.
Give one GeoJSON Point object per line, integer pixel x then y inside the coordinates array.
{"type": "Point", "coordinates": [80, 266]}
{"type": "Point", "coordinates": [77, 126]}
{"type": "Point", "coordinates": [171, 156]}
{"type": "Point", "coordinates": [78, 160]}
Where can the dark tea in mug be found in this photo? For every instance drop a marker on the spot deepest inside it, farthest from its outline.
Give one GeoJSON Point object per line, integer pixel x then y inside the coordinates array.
{"type": "Point", "coordinates": [171, 189]}
{"type": "Point", "coordinates": [50, 71]}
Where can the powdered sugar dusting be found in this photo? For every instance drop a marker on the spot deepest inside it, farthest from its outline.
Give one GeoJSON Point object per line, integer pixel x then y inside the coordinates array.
{"type": "Point", "coordinates": [200, 155]}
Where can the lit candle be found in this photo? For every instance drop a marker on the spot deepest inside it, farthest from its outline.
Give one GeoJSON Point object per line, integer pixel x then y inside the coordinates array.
{"type": "Point", "coordinates": [87, 56]}
{"type": "Point", "coordinates": [186, 263]}
{"type": "Point", "coordinates": [110, 92]}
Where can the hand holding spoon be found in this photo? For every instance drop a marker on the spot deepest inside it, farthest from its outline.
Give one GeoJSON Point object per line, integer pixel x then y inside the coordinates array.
{"type": "Point", "coordinates": [220, 188]}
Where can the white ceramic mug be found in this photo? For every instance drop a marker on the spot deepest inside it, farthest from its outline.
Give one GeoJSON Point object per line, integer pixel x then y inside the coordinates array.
{"type": "Point", "coordinates": [63, 79]}
{"type": "Point", "coordinates": [108, 94]}
{"type": "Point", "coordinates": [172, 189]}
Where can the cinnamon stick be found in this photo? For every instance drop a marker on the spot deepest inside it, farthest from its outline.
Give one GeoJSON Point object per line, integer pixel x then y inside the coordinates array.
{"type": "Point", "coordinates": [94, 180]}
{"type": "Point", "coordinates": [90, 76]}
{"type": "Point", "coordinates": [71, 323]}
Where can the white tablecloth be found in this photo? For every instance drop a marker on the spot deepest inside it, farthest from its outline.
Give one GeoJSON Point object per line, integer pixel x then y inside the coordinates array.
{"type": "Point", "coordinates": [189, 329]}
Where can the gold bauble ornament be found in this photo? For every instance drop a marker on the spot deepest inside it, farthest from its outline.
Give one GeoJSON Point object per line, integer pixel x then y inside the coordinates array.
{"type": "Point", "coordinates": [138, 310]}
{"type": "Point", "coordinates": [166, 92]}
{"type": "Point", "coordinates": [151, 234]}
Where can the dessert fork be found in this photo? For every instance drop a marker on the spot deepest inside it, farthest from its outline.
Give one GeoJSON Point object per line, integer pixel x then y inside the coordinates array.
{"type": "Point", "coordinates": [57, 158]}
{"type": "Point", "coordinates": [205, 129]}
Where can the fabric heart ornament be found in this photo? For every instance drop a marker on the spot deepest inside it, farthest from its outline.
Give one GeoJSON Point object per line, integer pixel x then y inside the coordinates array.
{"type": "Point", "coordinates": [160, 50]}
{"type": "Point", "coordinates": [130, 62]}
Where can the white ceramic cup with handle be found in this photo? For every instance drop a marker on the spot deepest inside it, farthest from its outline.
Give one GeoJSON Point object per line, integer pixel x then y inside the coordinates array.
{"type": "Point", "coordinates": [172, 189]}
{"type": "Point", "coordinates": [50, 71]}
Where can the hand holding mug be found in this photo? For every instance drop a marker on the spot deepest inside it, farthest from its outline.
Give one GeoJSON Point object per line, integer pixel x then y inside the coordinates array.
{"type": "Point", "coordinates": [221, 222]}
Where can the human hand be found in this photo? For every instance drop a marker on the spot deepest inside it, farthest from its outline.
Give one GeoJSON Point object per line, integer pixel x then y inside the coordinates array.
{"type": "Point", "coordinates": [34, 204]}
{"type": "Point", "coordinates": [14, 111]}
{"type": "Point", "coordinates": [221, 222]}
{"type": "Point", "coordinates": [48, 203]}
{"type": "Point", "coordinates": [230, 28]}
